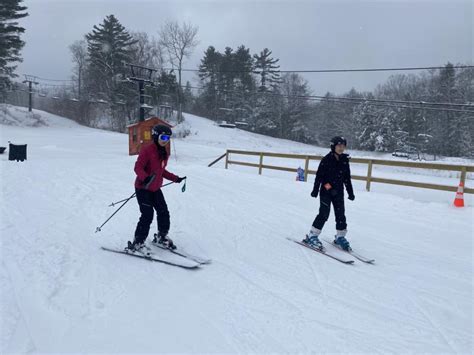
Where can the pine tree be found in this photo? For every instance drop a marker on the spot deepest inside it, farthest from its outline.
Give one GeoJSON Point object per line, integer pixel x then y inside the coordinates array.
{"type": "Point", "coordinates": [447, 93]}
{"type": "Point", "coordinates": [294, 120]}
{"type": "Point", "coordinates": [413, 121]}
{"type": "Point", "coordinates": [268, 70]}
{"type": "Point", "coordinates": [188, 98]}
{"type": "Point", "coordinates": [227, 75]}
{"type": "Point", "coordinates": [384, 137]}
{"type": "Point", "coordinates": [166, 84]}
{"type": "Point", "coordinates": [268, 109]}
{"type": "Point", "coordinates": [375, 127]}
{"type": "Point", "coordinates": [265, 113]}
{"type": "Point", "coordinates": [110, 48]}
{"type": "Point", "coordinates": [329, 119]}
{"type": "Point", "coordinates": [347, 109]}
{"type": "Point", "coordinates": [365, 118]}
{"type": "Point", "coordinates": [243, 64]}
{"type": "Point", "coordinates": [464, 88]}
{"type": "Point", "coordinates": [209, 73]}
{"type": "Point", "coordinates": [10, 41]}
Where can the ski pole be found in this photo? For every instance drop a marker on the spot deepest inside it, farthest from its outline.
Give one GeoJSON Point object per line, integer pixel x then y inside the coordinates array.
{"type": "Point", "coordinates": [125, 199]}
{"type": "Point", "coordinates": [98, 229]}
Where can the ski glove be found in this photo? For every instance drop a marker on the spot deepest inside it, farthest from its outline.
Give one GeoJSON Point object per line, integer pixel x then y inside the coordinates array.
{"type": "Point", "coordinates": [179, 179]}
{"type": "Point", "coordinates": [351, 197]}
{"type": "Point", "coordinates": [314, 193]}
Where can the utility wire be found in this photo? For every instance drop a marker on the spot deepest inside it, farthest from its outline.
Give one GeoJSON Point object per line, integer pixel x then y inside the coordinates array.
{"type": "Point", "coordinates": [374, 102]}
{"type": "Point", "coordinates": [46, 79]}
{"type": "Point", "coordinates": [334, 70]}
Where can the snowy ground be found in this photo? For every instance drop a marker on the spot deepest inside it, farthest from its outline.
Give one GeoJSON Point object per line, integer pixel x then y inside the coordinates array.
{"type": "Point", "coordinates": [262, 294]}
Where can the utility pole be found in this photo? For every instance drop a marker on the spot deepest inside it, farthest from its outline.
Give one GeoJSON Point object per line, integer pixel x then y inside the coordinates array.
{"type": "Point", "coordinates": [30, 79]}
{"type": "Point", "coordinates": [3, 89]}
{"type": "Point", "coordinates": [141, 75]}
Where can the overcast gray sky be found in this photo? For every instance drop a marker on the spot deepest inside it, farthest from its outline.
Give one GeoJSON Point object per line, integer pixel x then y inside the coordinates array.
{"type": "Point", "coordinates": [302, 34]}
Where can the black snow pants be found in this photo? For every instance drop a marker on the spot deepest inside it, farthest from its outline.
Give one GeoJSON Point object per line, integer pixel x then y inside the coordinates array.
{"type": "Point", "coordinates": [148, 201]}
{"type": "Point", "coordinates": [337, 200]}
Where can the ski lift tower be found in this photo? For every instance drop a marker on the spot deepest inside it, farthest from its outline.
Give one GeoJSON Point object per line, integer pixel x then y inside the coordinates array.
{"type": "Point", "coordinates": [3, 89]}
{"type": "Point", "coordinates": [30, 79]}
{"type": "Point", "coordinates": [165, 108]}
{"type": "Point", "coordinates": [142, 75]}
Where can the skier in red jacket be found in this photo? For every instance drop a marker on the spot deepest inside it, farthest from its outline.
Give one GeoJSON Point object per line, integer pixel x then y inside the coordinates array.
{"type": "Point", "coordinates": [151, 169]}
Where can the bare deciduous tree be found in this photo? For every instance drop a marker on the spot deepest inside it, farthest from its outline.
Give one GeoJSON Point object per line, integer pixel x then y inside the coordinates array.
{"type": "Point", "coordinates": [79, 57]}
{"type": "Point", "coordinates": [179, 41]}
{"type": "Point", "coordinates": [147, 51]}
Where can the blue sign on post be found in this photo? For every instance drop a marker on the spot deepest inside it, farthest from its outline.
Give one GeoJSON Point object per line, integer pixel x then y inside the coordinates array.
{"type": "Point", "coordinates": [300, 174]}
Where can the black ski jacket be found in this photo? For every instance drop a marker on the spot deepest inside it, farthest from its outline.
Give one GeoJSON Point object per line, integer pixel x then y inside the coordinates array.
{"type": "Point", "coordinates": [335, 172]}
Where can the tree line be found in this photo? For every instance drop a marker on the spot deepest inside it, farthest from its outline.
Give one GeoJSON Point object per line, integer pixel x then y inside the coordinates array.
{"type": "Point", "coordinates": [102, 71]}
{"type": "Point", "coordinates": [238, 86]}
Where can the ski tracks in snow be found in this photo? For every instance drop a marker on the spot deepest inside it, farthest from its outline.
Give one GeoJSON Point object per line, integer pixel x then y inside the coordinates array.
{"type": "Point", "coordinates": [260, 294]}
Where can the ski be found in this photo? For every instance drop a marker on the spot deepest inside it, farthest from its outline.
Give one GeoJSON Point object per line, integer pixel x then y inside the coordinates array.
{"type": "Point", "coordinates": [182, 253]}
{"type": "Point", "coordinates": [323, 252]}
{"type": "Point", "coordinates": [151, 257]}
{"type": "Point", "coordinates": [351, 252]}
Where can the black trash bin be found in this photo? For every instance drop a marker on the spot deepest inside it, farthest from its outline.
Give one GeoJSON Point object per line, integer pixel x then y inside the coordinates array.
{"type": "Point", "coordinates": [2, 149]}
{"type": "Point", "coordinates": [17, 152]}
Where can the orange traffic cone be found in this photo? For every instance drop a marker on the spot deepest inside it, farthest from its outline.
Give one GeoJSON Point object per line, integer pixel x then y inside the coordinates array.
{"type": "Point", "coordinates": [459, 200]}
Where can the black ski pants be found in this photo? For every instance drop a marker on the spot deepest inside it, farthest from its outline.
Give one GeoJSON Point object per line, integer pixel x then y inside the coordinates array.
{"type": "Point", "coordinates": [149, 201]}
{"type": "Point", "coordinates": [337, 200]}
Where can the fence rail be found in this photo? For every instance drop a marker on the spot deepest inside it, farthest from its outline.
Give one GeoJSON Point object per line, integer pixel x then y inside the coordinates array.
{"type": "Point", "coordinates": [369, 179]}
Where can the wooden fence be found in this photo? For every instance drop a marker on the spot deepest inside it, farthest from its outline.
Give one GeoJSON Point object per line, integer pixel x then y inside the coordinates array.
{"type": "Point", "coordinates": [463, 169]}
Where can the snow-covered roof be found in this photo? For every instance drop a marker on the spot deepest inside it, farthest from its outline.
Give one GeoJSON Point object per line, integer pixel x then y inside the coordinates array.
{"type": "Point", "coordinates": [150, 119]}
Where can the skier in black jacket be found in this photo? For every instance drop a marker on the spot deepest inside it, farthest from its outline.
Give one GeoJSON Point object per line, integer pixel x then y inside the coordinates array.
{"type": "Point", "coordinates": [332, 175]}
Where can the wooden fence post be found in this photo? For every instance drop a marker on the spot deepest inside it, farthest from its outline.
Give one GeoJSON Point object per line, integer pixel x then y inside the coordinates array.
{"type": "Point", "coordinates": [306, 167]}
{"type": "Point", "coordinates": [369, 175]}
{"type": "Point", "coordinates": [215, 161]}
{"type": "Point", "coordinates": [369, 178]}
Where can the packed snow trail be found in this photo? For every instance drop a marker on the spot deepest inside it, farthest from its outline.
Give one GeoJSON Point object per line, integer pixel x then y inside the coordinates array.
{"type": "Point", "coordinates": [262, 293]}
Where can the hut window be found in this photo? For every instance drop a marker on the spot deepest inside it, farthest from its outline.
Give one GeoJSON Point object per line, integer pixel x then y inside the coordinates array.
{"type": "Point", "coordinates": [134, 135]}
{"type": "Point", "coordinates": [147, 135]}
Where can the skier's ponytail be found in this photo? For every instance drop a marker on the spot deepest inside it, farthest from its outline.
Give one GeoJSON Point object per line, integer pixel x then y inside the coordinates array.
{"type": "Point", "coordinates": [162, 152]}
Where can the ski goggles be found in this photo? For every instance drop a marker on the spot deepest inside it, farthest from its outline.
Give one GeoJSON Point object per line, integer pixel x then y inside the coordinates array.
{"type": "Point", "coordinates": [164, 137]}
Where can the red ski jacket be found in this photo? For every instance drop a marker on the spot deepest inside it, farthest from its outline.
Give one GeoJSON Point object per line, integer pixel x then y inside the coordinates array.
{"type": "Point", "coordinates": [149, 163]}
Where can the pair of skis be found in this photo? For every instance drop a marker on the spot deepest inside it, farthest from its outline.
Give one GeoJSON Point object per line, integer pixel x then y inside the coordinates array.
{"type": "Point", "coordinates": [342, 260]}
{"type": "Point", "coordinates": [193, 262]}
{"type": "Point", "coordinates": [187, 261]}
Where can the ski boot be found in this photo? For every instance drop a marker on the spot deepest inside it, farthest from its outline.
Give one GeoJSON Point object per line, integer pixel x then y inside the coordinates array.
{"type": "Point", "coordinates": [164, 241]}
{"type": "Point", "coordinates": [139, 248]}
{"type": "Point", "coordinates": [312, 239]}
{"type": "Point", "coordinates": [342, 242]}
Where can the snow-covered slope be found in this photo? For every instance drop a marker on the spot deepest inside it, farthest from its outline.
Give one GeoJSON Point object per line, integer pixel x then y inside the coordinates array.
{"type": "Point", "coordinates": [262, 293]}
